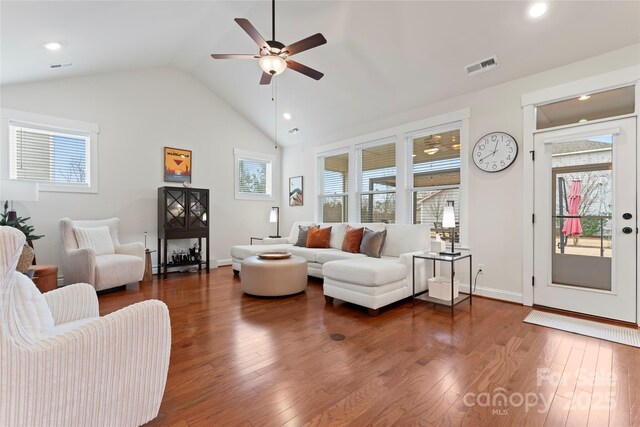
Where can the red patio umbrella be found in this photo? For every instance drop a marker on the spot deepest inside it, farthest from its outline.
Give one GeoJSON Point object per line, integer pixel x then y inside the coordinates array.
{"type": "Point", "coordinates": [573, 227]}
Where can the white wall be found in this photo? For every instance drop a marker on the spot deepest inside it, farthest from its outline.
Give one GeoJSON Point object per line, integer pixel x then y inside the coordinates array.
{"type": "Point", "coordinates": [139, 113]}
{"type": "Point", "coordinates": [495, 200]}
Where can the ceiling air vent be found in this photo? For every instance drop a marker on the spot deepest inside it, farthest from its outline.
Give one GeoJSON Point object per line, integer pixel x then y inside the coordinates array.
{"type": "Point", "coordinates": [55, 66]}
{"type": "Point", "coordinates": [481, 66]}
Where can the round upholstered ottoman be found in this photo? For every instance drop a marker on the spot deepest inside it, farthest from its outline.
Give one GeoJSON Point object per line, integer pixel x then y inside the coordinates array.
{"type": "Point", "coordinates": [273, 277]}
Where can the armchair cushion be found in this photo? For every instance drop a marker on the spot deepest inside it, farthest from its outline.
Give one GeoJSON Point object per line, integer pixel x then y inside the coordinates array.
{"type": "Point", "coordinates": [31, 309]}
{"type": "Point", "coordinates": [96, 238]}
{"type": "Point", "coordinates": [117, 269]}
{"type": "Point", "coordinates": [63, 328]}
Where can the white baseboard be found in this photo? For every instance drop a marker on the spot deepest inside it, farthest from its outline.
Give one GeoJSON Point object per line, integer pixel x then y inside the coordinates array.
{"type": "Point", "coordinates": [223, 262]}
{"type": "Point", "coordinates": [494, 293]}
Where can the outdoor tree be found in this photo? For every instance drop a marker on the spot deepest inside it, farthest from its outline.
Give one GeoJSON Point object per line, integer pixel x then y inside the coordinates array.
{"type": "Point", "coordinates": [75, 171]}
{"type": "Point", "coordinates": [252, 178]}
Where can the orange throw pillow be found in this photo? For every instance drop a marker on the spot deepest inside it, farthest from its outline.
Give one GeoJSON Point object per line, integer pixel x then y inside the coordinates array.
{"type": "Point", "coordinates": [319, 237]}
{"type": "Point", "coordinates": [352, 239]}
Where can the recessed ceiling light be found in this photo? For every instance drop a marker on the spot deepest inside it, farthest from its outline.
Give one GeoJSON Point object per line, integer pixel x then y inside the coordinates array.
{"type": "Point", "coordinates": [584, 97]}
{"type": "Point", "coordinates": [287, 116]}
{"type": "Point", "coordinates": [437, 136]}
{"type": "Point", "coordinates": [431, 151]}
{"type": "Point", "coordinates": [583, 121]}
{"type": "Point", "coordinates": [537, 9]}
{"type": "Point", "coordinates": [53, 46]}
{"type": "Point", "coordinates": [456, 146]}
{"type": "Point", "coordinates": [413, 155]}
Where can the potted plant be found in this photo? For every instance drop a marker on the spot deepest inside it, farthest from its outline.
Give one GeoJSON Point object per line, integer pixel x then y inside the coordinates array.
{"type": "Point", "coordinates": [28, 254]}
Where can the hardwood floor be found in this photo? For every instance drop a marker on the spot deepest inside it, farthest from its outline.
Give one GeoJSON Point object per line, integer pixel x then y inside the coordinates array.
{"type": "Point", "coordinates": [240, 360]}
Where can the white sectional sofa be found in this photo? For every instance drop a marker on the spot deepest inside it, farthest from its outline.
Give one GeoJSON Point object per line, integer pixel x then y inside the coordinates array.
{"type": "Point", "coordinates": [356, 278]}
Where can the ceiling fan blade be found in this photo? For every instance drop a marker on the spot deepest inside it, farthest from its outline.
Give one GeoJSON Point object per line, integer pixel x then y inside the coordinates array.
{"type": "Point", "coordinates": [296, 66]}
{"type": "Point", "coordinates": [265, 79]}
{"type": "Point", "coordinates": [234, 56]}
{"type": "Point", "coordinates": [253, 33]}
{"type": "Point", "coordinates": [306, 44]}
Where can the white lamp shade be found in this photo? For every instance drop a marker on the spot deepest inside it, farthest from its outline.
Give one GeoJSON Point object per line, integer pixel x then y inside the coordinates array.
{"type": "Point", "coordinates": [272, 64]}
{"type": "Point", "coordinates": [273, 217]}
{"type": "Point", "coordinates": [448, 217]}
{"type": "Point", "coordinates": [20, 191]}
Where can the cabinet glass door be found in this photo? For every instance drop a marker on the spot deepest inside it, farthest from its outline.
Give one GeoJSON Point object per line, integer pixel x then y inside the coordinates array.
{"type": "Point", "coordinates": [198, 203]}
{"type": "Point", "coordinates": [176, 212]}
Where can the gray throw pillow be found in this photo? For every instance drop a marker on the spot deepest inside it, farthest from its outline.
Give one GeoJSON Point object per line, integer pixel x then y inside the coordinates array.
{"type": "Point", "coordinates": [373, 242]}
{"type": "Point", "coordinates": [303, 231]}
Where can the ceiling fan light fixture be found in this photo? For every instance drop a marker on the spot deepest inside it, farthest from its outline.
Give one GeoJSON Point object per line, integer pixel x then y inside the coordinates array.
{"type": "Point", "coordinates": [272, 64]}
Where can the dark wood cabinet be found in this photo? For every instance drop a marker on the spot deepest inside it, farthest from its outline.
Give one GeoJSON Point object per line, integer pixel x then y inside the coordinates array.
{"type": "Point", "coordinates": [183, 213]}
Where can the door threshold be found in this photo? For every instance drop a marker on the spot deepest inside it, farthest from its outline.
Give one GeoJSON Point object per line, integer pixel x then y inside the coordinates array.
{"type": "Point", "coordinates": [586, 316]}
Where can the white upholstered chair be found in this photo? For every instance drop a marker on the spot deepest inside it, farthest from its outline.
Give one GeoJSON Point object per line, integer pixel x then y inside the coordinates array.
{"type": "Point", "coordinates": [63, 365]}
{"type": "Point", "coordinates": [93, 263]}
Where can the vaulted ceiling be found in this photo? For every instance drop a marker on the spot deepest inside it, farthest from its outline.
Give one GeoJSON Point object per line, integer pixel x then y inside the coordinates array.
{"type": "Point", "coordinates": [381, 57]}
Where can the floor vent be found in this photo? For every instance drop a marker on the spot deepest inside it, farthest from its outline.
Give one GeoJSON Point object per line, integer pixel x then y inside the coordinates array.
{"type": "Point", "coordinates": [482, 66]}
{"type": "Point", "coordinates": [589, 328]}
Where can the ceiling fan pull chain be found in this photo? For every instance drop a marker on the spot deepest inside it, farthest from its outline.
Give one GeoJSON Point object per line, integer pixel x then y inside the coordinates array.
{"type": "Point", "coordinates": [275, 115]}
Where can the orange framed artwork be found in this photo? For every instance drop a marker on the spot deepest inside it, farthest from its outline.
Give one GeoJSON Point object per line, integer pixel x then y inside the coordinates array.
{"type": "Point", "coordinates": [177, 165]}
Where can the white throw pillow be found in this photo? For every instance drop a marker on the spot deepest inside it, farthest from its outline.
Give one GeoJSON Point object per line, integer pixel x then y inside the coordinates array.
{"type": "Point", "coordinates": [96, 238]}
{"type": "Point", "coordinates": [31, 308]}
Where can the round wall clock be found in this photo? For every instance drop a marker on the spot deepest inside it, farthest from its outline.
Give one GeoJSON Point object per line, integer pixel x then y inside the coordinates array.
{"type": "Point", "coordinates": [495, 151]}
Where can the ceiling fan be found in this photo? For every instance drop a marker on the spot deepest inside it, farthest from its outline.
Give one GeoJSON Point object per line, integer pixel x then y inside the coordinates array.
{"type": "Point", "coordinates": [273, 55]}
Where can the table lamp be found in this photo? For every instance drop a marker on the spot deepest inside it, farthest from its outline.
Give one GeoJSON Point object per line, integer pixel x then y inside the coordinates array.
{"type": "Point", "coordinates": [274, 216]}
{"type": "Point", "coordinates": [20, 191]}
{"type": "Point", "coordinates": [449, 221]}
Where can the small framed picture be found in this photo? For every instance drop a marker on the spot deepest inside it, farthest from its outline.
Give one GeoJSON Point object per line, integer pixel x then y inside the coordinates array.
{"type": "Point", "coordinates": [177, 165]}
{"type": "Point", "coordinates": [295, 191]}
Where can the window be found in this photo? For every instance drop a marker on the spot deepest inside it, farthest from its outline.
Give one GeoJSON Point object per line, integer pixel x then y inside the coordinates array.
{"type": "Point", "coordinates": [377, 196]}
{"type": "Point", "coordinates": [587, 107]}
{"type": "Point", "coordinates": [59, 154]}
{"type": "Point", "coordinates": [436, 179]}
{"type": "Point", "coordinates": [254, 175]}
{"type": "Point", "coordinates": [334, 186]}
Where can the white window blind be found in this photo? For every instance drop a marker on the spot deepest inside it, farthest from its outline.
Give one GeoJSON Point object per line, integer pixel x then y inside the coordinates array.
{"type": "Point", "coordinates": [48, 155]}
{"type": "Point", "coordinates": [335, 186]}
{"type": "Point", "coordinates": [254, 175]}
{"type": "Point", "coordinates": [378, 183]}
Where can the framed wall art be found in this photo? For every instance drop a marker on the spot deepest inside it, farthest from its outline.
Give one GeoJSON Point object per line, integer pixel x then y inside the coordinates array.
{"type": "Point", "coordinates": [295, 191]}
{"type": "Point", "coordinates": [177, 165]}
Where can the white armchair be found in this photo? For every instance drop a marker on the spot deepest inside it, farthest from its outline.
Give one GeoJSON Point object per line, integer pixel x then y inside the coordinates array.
{"type": "Point", "coordinates": [125, 264]}
{"type": "Point", "coordinates": [63, 365]}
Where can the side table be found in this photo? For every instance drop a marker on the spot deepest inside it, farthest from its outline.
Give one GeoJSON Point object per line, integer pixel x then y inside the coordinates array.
{"type": "Point", "coordinates": [45, 277]}
{"type": "Point", "coordinates": [435, 257]}
{"type": "Point", "coordinates": [148, 270]}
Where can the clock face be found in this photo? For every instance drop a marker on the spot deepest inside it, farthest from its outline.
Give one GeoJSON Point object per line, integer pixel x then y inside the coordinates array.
{"type": "Point", "coordinates": [495, 152]}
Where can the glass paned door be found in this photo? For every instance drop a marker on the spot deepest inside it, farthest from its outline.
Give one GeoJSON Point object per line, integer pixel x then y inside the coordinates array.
{"type": "Point", "coordinates": [176, 212]}
{"type": "Point", "coordinates": [585, 219]}
{"type": "Point", "coordinates": [198, 209]}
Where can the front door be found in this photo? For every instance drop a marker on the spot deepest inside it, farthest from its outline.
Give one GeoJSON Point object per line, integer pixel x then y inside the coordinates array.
{"type": "Point", "coordinates": [585, 219]}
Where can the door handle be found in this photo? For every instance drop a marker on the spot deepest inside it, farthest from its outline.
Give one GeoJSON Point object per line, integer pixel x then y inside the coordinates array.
{"type": "Point", "coordinates": [627, 230]}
